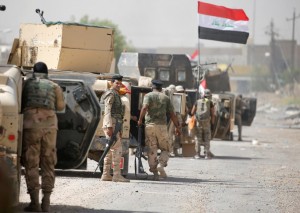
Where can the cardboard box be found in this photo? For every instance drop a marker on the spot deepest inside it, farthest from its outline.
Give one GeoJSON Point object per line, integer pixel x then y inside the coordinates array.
{"type": "Point", "coordinates": [67, 36]}
{"type": "Point", "coordinates": [65, 47]}
{"type": "Point", "coordinates": [188, 149]}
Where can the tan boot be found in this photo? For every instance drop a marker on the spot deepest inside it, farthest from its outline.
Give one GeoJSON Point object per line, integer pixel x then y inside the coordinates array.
{"type": "Point", "coordinates": [106, 177]}
{"type": "Point", "coordinates": [156, 176]}
{"type": "Point", "coordinates": [117, 177]}
{"type": "Point", "coordinates": [162, 172]}
{"type": "Point", "coordinates": [46, 202]}
{"type": "Point", "coordinates": [106, 169]}
{"type": "Point", "coordinates": [120, 178]}
{"type": "Point", "coordinates": [34, 205]}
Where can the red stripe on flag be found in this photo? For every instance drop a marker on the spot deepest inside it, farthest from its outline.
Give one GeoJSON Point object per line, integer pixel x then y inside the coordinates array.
{"type": "Point", "coordinates": [203, 84]}
{"type": "Point", "coordinates": [220, 11]}
{"type": "Point", "coordinates": [195, 54]}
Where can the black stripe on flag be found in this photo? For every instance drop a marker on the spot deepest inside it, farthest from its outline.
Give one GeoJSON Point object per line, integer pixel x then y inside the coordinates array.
{"type": "Point", "coordinates": [223, 35]}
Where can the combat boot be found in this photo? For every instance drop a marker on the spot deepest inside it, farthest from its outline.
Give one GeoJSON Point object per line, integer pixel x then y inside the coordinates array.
{"type": "Point", "coordinates": [46, 202]}
{"type": "Point", "coordinates": [156, 176]}
{"type": "Point", "coordinates": [197, 156]}
{"type": "Point", "coordinates": [106, 177]}
{"type": "Point", "coordinates": [117, 177]}
{"type": "Point", "coordinates": [211, 154]}
{"type": "Point", "coordinates": [162, 172]}
{"type": "Point", "coordinates": [208, 155]}
{"type": "Point", "coordinates": [106, 170]}
{"type": "Point", "coordinates": [34, 205]}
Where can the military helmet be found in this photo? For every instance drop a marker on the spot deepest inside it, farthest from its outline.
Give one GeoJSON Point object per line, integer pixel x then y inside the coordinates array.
{"type": "Point", "coordinates": [207, 93]}
{"type": "Point", "coordinates": [171, 87]}
{"type": "Point", "coordinates": [40, 67]}
{"type": "Point", "coordinates": [179, 88]}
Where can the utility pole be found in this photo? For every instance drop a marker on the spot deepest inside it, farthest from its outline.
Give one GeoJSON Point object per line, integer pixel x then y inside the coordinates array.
{"type": "Point", "coordinates": [293, 38]}
{"type": "Point", "coordinates": [273, 70]}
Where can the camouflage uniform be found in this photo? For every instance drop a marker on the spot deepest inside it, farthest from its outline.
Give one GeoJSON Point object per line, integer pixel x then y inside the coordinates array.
{"type": "Point", "coordinates": [156, 129]}
{"type": "Point", "coordinates": [113, 112]}
{"type": "Point", "coordinates": [239, 104]}
{"type": "Point", "coordinates": [41, 97]}
{"type": "Point", "coordinates": [203, 130]}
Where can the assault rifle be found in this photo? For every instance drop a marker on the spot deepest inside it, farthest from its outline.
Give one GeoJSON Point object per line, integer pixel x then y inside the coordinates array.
{"type": "Point", "coordinates": [138, 165]}
{"type": "Point", "coordinates": [109, 143]}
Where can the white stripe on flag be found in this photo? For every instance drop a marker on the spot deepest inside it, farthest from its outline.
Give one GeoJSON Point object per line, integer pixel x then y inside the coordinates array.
{"type": "Point", "coordinates": [222, 24]}
{"type": "Point", "coordinates": [218, 23]}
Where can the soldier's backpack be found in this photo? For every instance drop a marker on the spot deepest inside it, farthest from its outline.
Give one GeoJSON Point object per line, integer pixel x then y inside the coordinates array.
{"type": "Point", "coordinates": [203, 109]}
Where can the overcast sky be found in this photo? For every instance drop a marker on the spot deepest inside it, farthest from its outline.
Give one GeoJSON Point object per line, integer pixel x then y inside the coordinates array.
{"type": "Point", "coordinates": [153, 23]}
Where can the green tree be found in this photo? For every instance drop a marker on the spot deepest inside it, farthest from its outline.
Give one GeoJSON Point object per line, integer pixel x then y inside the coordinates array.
{"type": "Point", "coordinates": [120, 43]}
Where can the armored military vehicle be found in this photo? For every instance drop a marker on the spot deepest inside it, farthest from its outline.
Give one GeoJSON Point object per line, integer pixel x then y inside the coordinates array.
{"type": "Point", "coordinates": [219, 84]}
{"type": "Point", "coordinates": [169, 68]}
{"type": "Point", "coordinates": [11, 123]}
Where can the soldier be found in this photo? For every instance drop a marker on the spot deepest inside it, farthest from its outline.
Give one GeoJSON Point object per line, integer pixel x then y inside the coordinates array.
{"type": "Point", "coordinates": [40, 99]}
{"type": "Point", "coordinates": [156, 106]}
{"type": "Point", "coordinates": [204, 110]}
{"type": "Point", "coordinates": [113, 113]}
{"type": "Point", "coordinates": [239, 105]}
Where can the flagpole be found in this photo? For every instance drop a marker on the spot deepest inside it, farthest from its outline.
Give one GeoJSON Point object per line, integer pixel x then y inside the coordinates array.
{"type": "Point", "coordinates": [198, 67]}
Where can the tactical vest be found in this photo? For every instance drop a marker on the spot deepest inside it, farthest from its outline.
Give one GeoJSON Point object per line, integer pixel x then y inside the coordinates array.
{"type": "Point", "coordinates": [203, 109]}
{"type": "Point", "coordinates": [39, 93]}
{"type": "Point", "coordinates": [117, 108]}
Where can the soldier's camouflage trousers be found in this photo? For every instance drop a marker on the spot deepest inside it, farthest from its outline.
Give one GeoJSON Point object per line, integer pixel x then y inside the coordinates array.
{"type": "Point", "coordinates": [157, 138]}
{"type": "Point", "coordinates": [202, 135]}
{"type": "Point", "coordinates": [39, 150]}
{"type": "Point", "coordinates": [114, 155]}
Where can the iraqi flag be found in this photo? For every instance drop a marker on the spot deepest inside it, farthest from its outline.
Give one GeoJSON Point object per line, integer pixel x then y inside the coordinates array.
{"type": "Point", "coordinates": [222, 24]}
{"type": "Point", "coordinates": [202, 87]}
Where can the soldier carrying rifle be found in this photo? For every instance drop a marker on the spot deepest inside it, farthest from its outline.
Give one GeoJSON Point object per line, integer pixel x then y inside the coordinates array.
{"type": "Point", "coordinates": [113, 114]}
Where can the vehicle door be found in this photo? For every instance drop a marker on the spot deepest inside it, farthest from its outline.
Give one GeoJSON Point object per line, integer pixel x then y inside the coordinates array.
{"type": "Point", "coordinates": [77, 124]}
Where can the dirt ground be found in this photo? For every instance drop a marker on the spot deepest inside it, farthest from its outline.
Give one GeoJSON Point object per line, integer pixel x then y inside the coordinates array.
{"type": "Point", "coordinates": [259, 174]}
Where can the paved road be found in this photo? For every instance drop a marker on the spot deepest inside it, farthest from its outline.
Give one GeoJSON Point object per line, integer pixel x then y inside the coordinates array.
{"type": "Point", "coordinates": [259, 174]}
